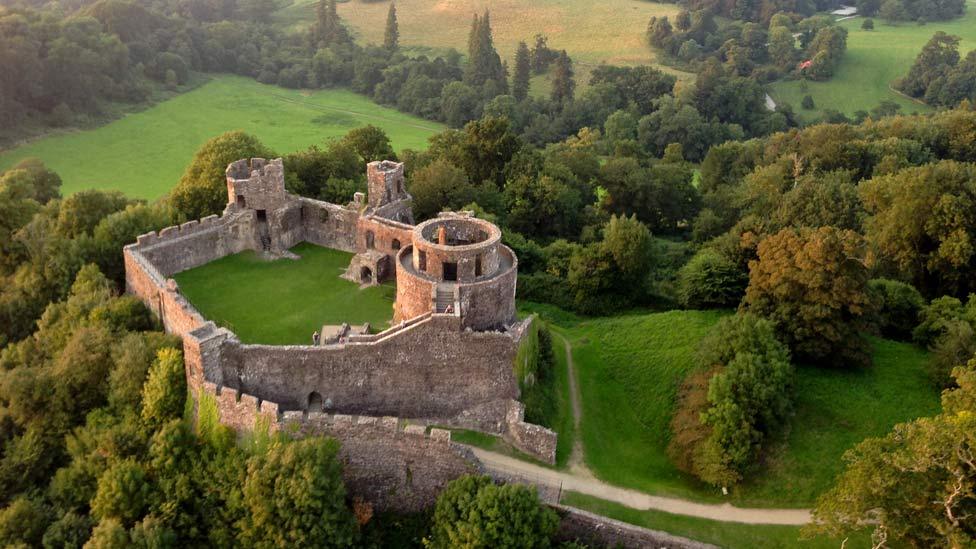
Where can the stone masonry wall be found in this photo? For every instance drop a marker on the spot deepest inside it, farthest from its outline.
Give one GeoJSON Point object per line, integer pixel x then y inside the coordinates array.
{"type": "Point", "coordinates": [387, 463]}
{"type": "Point", "coordinates": [431, 369]}
{"type": "Point", "coordinates": [329, 225]}
{"type": "Point", "coordinates": [599, 531]}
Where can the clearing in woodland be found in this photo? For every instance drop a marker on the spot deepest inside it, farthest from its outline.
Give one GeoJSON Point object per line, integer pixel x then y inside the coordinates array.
{"type": "Point", "coordinates": [873, 61]}
{"type": "Point", "coordinates": [144, 154]}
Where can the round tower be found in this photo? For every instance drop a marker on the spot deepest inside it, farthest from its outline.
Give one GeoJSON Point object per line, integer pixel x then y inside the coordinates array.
{"type": "Point", "coordinates": [456, 264]}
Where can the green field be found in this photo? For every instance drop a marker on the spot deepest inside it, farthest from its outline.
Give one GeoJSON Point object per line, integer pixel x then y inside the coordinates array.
{"type": "Point", "coordinates": [282, 302]}
{"type": "Point", "coordinates": [730, 535]}
{"type": "Point", "coordinates": [873, 60]}
{"type": "Point", "coordinates": [611, 31]}
{"type": "Point", "coordinates": [144, 154]}
{"type": "Point", "coordinates": [630, 367]}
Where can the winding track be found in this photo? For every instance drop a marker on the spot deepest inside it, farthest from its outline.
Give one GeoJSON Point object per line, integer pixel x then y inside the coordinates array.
{"type": "Point", "coordinates": [579, 479]}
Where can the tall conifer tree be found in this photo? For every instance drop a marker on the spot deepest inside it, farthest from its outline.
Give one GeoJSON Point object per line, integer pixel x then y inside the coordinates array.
{"type": "Point", "coordinates": [484, 63]}
{"type": "Point", "coordinates": [563, 84]}
{"type": "Point", "coordinates": [391, 37]}
{"type": "Point", "coordinates": [523, 69]}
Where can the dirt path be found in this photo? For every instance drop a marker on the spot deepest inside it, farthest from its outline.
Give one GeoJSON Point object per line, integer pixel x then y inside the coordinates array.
{"type": "Point", "coordinates": [580, 479]}
{"type": "Point", "coordinates": [575, 463]}
{"type": "Point", "coordinates": [638, 500]}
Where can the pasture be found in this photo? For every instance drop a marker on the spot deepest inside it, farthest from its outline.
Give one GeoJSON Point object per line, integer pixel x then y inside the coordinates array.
{"type": "Point", "coordinates": [592, 32]}
{"type": "Point", "coordinates": [144, 154]}
{"type": "Point", "coordinates": [629, 369]}
{"type": "Point", "coordinates": [873, 60]}
{"type": "Point", "coordinates": [282, 302]}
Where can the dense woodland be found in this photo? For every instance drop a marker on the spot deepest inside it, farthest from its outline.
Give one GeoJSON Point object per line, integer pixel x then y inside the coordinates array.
{"type": "Point", "coordinates": [636, 193]}
{"type": "Point", "coordinates": [939, 76]}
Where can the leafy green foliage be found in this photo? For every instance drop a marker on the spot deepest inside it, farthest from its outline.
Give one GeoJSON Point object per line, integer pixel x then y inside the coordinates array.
{"type": "Point", "coordinates": [917, 483]}
{"type": "Point", "coordinates": [812, 285]}
{"type": "Point", "coordinates": [710, 280]}
{"type": "Point", "coordinates": [897, 307]}
{"type": "Point", "coordinates": [475, 512]}
{"type": "Point", "coordinates": [293, 495]}
{"type": "Point", "coordinates": [164, 393]}
{"type": "Point", "coordinates": [202, 190]}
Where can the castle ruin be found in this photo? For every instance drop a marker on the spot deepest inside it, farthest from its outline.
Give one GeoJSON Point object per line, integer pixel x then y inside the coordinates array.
{"type": "Point", "coordinates": [447, 360]}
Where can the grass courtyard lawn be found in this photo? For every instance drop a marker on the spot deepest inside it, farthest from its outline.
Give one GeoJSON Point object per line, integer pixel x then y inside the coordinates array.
{"type": "Point", "coordinates": [611, 31]}
{"type": "Point", "coordinates": [873, 60]}
{"type": "Point", "coordinates": [144, 154]}
{"type": "Point", "coordinates": [630, 367]}
{"type": "Point", "coordinates": [282, 302]}
{"type": "Point", "coordinates": [724, 534]}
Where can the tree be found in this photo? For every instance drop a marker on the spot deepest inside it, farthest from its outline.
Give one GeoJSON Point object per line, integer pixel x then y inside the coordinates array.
{"type": "Point", "coordinates": [709, 280]}
{"type": "Point", "coordinates": [164, 393]}
{"type": "Point", "coordinates": [484, 64]}
{"type": "Point", "coordinates": [812, 284]}
{"type": "Point", "coordinates": [294, 496]}
{"type": "Point", "coordinates": [897, 306]}
{"type": "Point", "coordinates": [937, 58]}
{"type": "Point", "coordinates": [124, 493]}
{"type": "Point", "coordinates": [438, 186]}
{"type": "Point", "coordinates": [459, 104]}
{"type": "Point", "coordinates": [475, 512]}
{"type": "Point", "coordinates": [939, 254]}
{"type": "Point", "coordinates": [523, 69]}
{"type": "Point", "coordinates": [391, 35]}
{"type": "Point", "coordinates": [202, 190]}
{"type": "Point", "coordinates": [868, 24]}
{"type": "Point", "coordinates": [563, 84]}
{"type": "Point", "coordinates": [807, 102]}
{"type": "Point", "coordinates": [370, 143]}
{"type": "Point", "coordinates": [914, 486]}
{"type": "Point", "coordinates": [717, 438]}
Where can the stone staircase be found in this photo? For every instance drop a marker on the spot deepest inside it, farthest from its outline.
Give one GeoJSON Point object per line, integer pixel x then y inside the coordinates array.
{"type": "Point", "coordinates": [444, 299]}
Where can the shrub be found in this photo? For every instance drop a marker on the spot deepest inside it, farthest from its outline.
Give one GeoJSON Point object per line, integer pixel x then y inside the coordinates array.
{"type": "Point", "coordinates": [807, 103]}
{"type": "Point", "coordinates": [475, 512]}
{"type": "Point", "coordinates": [934, 320]}
{"type": "Point", "coordinates": [896, 308]}
{"type": "Point", "coordinates": [710, 280]}
{"type": "Point", "coordinates": [956, 346]}
{"type": "Point", "coordinates": [868, 24]}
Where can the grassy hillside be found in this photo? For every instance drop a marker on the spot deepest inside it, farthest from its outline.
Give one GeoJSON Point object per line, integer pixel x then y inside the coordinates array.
{"type": "Point", "coordinates": [144, 153]}
{"type": "Point", "coordinates": [611, 31]}
{"type": "Point", "coordinates": [874, 59]}
{"type": "Point", "coordinates": [630, 367]}
{"type": "Point", "coordinates": [245, 294]}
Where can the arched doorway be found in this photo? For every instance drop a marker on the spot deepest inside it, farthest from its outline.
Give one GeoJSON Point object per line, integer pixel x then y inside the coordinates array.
{"type": "Point", "coordinates": [314, 402]}
{"type": "Point", "coordinates": [365, 275]}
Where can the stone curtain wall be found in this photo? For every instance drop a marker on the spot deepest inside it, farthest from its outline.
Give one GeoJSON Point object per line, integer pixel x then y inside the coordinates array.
{"type": "Point", "coordinates": [387, 462]}
{"type": "Point", "coordinates": [431, 369]}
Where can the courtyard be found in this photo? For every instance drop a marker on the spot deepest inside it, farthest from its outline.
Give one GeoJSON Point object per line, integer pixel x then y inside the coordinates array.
{"type": "Point", "coordinates": [282, 302]}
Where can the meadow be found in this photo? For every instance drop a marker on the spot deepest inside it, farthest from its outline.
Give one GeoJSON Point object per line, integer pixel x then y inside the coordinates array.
{"type": "Point", "coordinates": [144, 153]}
{"type": "Point", "coordinates": [245, 294]}
{"type": "Point", "coordinates": [611, 31]}
{"type": "Point", "coordinates": [873, 61]}
{"type": "Point", "coordinates": [629, 370]}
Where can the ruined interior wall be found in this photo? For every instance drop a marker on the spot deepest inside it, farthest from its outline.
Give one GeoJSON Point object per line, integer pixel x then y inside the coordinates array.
{"type": "Point", "coordinates": [389, 464]}
{"type": "Point", "coordinates": [384, 233]}
{"type": "Point", "coordinates": [287, 226]}
{"type": "Point", "coordinates": [329, 225]}
{"type": "Point", "coordinates": [430, 369]}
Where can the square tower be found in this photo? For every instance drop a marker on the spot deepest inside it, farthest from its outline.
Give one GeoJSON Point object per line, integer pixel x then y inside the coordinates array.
{"type": "Point", "coordinates": [385, 183]}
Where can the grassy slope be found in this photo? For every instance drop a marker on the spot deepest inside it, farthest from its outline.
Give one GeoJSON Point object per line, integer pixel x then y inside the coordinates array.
{"type": "Point", "coordinates": [874, 59]}
{"type": "Point", "coordinates": [283, 302]}
{"type": "Point", "coordinates": [144, 153]}
{"type": "Point", "coordinates": [724, 534]}
{"type": "Point", "coordinates": [631, 366]}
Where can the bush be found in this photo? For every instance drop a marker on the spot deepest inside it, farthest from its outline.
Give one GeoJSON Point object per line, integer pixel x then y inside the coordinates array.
{"type": "Point", "coordinates": [956, 346]}
{"type": "Point", "coordinates": [475, 512]}
{"type": "Point", "coordinates": [935, 319]}
{"type": "Point", "coordinates": [807, 103]}
{"type": "Point", "coordinates": [710, 280]}
{"type": "Point", "coordinates": [868, 24]}
{"type": "Point", "coordinates": [896, 309]}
